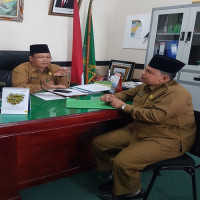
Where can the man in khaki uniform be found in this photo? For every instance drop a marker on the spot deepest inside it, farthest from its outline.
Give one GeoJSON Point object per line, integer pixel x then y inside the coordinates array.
{"type": "Point", "coordinates": [163, 127]}
{"type": "Point", "coordinates": [39, 73]}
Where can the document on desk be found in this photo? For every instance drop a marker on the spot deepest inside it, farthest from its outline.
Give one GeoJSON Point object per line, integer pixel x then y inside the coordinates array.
{"type": "Point", "coordinates": [130, 84]}
{"type": "Point", "coordinates": [92, 88]}
{"type": "Point", "coordinates": [74, 103]}
{"type": "Point", "coordinates": [47, 96]}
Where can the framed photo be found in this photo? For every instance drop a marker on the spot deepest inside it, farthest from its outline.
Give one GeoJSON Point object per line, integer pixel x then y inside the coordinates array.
{"type": "Point", "coordinates": [195, 1]}
{"type": "Point", "coordinates": [11, 10]}
{"type": "Point", "coordinates": [136, 73]}
{"type": "Point", "coordinates": [62, 7]}
{"type": "Point", "coordinates": [124, 68]}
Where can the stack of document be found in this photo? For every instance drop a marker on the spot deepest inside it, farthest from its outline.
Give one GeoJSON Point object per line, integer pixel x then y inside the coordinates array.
{"type": "Point", "coordinates": [78, 90]}
{"type": "Point", "coordinates": [92, 88]}
{"type": "Point", "coordinates": [105, 83]}
{"type": "Point", "coordinates": [130, 84]}
{"type": "Point", "coordinates": [62, 94]}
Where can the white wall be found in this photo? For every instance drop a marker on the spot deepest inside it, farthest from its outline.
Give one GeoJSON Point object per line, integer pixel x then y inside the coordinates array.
{"type": "Point", "coordinates": [109, 18]}
{"type": "Point", "coordinates": [56, 31]}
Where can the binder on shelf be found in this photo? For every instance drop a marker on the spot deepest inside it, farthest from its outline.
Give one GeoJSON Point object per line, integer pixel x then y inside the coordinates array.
{"type": "Point", "coordinates": [162, 48]}
{"type": "Point", "coordinates": [172, 48]}
{"type": "Point", "coordinates": [163, 22]}
{"type": "Point", "coordinates": [156, 48]}
{"type": "Point", "coordinates": [15, 100]}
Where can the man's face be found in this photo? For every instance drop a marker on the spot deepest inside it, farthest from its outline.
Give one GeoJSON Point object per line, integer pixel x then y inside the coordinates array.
{"type": "Point", "coordinates": [40, 60]}
{"type": "Point", "coordinates": [153, 76]}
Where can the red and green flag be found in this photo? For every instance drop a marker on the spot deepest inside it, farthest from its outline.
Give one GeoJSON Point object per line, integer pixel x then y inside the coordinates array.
{"type": "Point", "coordinates": [77, 50]}
{"type": "Point", "coordinates": [89, 62]}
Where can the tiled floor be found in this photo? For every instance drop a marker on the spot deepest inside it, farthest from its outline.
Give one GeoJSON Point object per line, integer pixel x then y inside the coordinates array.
{"type": "Point", "coordinates": [172, 185]}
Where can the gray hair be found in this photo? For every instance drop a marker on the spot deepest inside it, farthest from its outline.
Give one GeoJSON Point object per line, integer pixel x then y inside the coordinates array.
{"type": "Point", "coordinates": [171, 75]}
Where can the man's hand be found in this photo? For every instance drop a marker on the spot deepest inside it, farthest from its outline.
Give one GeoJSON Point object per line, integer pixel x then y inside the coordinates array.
{"type": "Point", "coordinates": [114, 101]}
{"type": "Point", "coordinates": [106, 97]}
{"type": "Point", "coordinates": [51, 85]}
{"type": "Point", "coordinates": [61, 72]}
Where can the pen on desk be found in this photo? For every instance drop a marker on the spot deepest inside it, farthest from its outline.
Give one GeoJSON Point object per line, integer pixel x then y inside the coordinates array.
{"type": "Point", "coordinates": [65, 96]}
{"type": "Point", "coordinates": [47, 80]}
{"type": "Point", "coordinates": [61, 95]}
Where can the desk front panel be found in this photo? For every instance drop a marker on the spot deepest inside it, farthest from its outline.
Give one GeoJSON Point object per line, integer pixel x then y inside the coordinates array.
{"type": "Point", "coordinates": [41, 109]}
{"type": "Point", "coordinates": [61, 146]}
{"type": "Point", "coordinates": [49, 148]}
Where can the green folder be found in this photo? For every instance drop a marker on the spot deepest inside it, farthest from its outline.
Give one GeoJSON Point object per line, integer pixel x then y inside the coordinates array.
{"type": "Point", "coordinates": [75, 103]}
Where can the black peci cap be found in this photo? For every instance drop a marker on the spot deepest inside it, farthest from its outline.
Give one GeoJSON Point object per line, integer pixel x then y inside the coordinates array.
{"type": "Point", "coordinates": [165, 64]}
{"type": "Point", "coordinates": [39, 48]}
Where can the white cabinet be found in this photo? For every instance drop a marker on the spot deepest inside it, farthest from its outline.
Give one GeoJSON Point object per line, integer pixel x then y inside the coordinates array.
{"type": "Point", "coordinates": [175, 32]}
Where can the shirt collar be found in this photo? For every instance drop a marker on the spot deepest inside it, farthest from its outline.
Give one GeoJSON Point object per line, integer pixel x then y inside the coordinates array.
{"type": "Point", "coordinates": [156, 87]}
{"type": "Point", "coordinates": [34, 69]}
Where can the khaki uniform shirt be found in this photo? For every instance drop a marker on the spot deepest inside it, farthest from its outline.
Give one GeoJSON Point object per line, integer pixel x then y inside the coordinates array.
{"type": "Point", "coordinates": [27, 76]}
{"type": "Point", "coordinates": [163, 113]}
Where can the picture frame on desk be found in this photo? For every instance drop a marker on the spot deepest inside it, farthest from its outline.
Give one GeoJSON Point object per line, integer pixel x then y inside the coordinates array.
{"type": "Point", "coordinates": [59, 9]}
{"type": "Point", "coordinates": [137, 72]}
{"type": "Point", "coordinates": [11, 10]}
{"type": "Point", "coordinates": [125, 68]}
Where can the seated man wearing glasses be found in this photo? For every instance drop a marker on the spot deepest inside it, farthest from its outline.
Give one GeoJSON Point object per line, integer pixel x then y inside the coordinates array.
{"type": "Point", "coordinates": [39, 74]}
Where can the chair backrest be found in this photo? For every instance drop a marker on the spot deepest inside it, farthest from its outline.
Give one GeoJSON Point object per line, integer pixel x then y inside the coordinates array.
{"type": "Point", "coordinates": [196, 146]}
{"type": "Point", "coordinates": [8, 61]}
{"type": "Point", "coordinates": [5, 79]}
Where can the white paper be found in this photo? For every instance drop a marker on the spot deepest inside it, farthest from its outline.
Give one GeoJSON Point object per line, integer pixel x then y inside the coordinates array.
{"type": "Point", "coordinates": [15, 100]}
{"type": "Point", "coordinates": [137, 27]}
{"type": "Point", "coordinates": [47, 96]}
{"type": "Point", "coordinates": [92, 88]}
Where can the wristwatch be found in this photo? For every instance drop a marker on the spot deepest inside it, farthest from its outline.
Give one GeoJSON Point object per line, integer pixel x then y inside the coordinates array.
{"type": "Point", "coordinates": [123, 106]}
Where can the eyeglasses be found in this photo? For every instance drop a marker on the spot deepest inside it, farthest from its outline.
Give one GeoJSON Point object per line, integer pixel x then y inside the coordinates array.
{"type": "Point", "coordinates": [43, 57]}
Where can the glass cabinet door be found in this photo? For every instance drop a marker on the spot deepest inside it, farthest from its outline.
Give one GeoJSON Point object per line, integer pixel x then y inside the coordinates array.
{"type": "Point", "coordinates": [168, 34]}
{"type": "Point", "coordinates": [191, 50]}
{"type": "Point", "coordinates": [194, 55]}
{"type": "Point", "coordinates": [175, 32]}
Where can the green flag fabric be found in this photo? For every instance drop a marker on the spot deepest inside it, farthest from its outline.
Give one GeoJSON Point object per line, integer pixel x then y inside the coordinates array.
{"type": "Point", "coordinates": [92, 61]}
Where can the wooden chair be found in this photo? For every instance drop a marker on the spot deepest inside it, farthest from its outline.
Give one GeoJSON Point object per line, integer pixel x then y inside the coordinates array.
{"type": "Point", "coordinates": [185, 162]}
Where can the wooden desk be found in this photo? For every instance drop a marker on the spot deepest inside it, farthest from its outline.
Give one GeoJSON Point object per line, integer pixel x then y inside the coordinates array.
{"type": "Point", "coordinates": [36, 151]}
